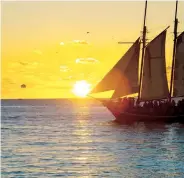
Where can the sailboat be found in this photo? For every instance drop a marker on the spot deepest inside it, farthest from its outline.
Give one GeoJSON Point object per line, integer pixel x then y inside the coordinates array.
{"type": "Point", "coordinates": [152, 85]}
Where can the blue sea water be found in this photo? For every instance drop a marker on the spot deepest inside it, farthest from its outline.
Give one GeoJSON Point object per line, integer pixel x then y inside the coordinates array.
{"type": "Point", "coordinates": [65, 138]}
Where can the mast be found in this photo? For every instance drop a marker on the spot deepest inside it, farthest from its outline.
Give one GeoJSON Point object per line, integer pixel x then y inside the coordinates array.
{"type": "Point", "coordinates": [174, 50]}
{"type": "Point", "coordinates": [143, 49]}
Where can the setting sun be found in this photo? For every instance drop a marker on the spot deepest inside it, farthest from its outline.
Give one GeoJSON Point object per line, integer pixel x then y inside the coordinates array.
{"type": "Point", "coordinates": [81, 88]}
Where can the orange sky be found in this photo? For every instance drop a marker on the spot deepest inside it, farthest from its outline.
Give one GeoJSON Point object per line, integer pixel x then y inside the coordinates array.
{"type": "Point", "coordinates": [46, 45]}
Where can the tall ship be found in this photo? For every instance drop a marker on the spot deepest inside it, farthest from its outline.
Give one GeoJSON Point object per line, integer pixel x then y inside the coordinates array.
{"type": "Point", "coordinates": [155, 97]}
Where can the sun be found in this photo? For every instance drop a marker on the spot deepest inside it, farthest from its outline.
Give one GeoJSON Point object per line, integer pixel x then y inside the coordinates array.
{"type": "Point", "coordinates": [81, 88]}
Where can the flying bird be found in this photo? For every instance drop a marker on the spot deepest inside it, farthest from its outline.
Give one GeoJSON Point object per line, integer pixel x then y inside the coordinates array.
{"type": "Point", "coordinates": [23, 86]}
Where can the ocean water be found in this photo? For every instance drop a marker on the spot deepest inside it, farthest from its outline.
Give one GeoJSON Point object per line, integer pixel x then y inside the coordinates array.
{"type": "Point", "coordinates": [63, 138]}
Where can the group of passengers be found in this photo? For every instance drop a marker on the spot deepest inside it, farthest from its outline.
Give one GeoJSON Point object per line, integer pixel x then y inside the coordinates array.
{"type": "Point", "coordinates": [156, 107]}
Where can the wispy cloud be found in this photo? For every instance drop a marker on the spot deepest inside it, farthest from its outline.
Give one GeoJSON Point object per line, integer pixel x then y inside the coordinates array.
{"type": "Point", "coordinates": [37, 51]}
{"type": "Point", "coordinates": [86, 61]}
{"type": "Point", "coordinates": [69, 78]}
{"type": "Point", "coordinates": [18, 64]}
{"type": "Point", "coordinates": [80, 42]}
{"type": "Point", "coordinates": [32, 65]}
{"type": "Point", "coordinates": [62, 43]}
{"type": "Point", "coordinates": [7, 81]}
{"type": "Point", "coordinates": [74, 42]}
{"type": "Point", "coordinates": [23, 63]}
{"type": "Point", "coordinates": [64, 68]}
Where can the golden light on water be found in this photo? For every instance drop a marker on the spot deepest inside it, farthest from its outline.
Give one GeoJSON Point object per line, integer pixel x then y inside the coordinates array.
{"type": "Point", "coordinates": [81, 88]}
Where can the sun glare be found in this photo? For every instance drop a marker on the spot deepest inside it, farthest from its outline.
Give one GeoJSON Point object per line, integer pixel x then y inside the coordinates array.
{"type": "Point", "coordinates": [81, 88]}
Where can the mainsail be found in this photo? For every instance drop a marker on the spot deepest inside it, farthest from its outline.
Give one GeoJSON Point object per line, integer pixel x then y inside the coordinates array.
{"type": "Point", "coordinates": [128, 83]}
{"type": "Point", "coordinates": [178, 89]}
{"type": "Point", "coordinates": [113, 78]}
{"type": "Point", "coordinates": [154, 82]}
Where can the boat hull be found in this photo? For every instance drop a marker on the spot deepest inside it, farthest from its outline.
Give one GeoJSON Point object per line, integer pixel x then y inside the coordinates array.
{"type": "Point", "coordinates": [127, 117]}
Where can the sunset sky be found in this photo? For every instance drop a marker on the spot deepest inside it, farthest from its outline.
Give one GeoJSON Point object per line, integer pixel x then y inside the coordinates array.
{"type": "Point", "coordinates": [49, 46]}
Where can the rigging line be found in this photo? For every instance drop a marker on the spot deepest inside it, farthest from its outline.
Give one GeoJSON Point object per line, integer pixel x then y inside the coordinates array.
{"type": "Point", "coordinates": [122, 42]}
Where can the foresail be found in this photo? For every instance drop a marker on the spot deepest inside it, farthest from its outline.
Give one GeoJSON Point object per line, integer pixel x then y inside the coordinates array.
{"type": "Point", "coordinates": [114, 76]}
{"type": "Point", "coordinates": [178, 85]}
{"type": "Point", "coordinates": [154, 82]}
{"type": "Point", "coordinates": [129, 80]}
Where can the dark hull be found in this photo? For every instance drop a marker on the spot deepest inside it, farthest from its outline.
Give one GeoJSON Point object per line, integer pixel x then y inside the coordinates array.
{"type": "Point", "coordinates": [127, 117]}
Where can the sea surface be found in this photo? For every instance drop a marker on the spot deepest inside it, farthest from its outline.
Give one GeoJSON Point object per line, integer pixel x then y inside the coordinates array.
{"type": "Point", "coordinates": [78, 138]}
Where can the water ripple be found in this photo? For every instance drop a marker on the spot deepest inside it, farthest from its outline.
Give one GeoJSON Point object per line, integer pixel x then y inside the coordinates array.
{"type": "Point", "coordinates": [45, 139]}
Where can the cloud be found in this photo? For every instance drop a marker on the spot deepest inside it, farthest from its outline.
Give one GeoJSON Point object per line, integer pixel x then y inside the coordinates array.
{"type": "Point", "coordinates": [62, 43]}
{"type": "Point", "coordinates": [69, 78]}
{"type": "Point", "coordinates": [8, 81]}
{"type": "Point", "coordinates": [37, 51]}
{"type": "Point", "coordinates": [23, 63]}
{"type": "Point", "coordinates": [64, 68]}
{"type": "Point", "coordinates": [86, 61]}
{"type": "Point", "coordinates": [80, 42]}
{"type": "Point", "coordinates": [20, 64]}
{"type": "Point", "coordinates": [75, 42]}
{"type": "Point", "coordinates": [32, 65]}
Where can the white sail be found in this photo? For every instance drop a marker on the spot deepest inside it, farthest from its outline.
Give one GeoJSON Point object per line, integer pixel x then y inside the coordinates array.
{"type": "Point", "coordinates": [178, 85]}
{"type": "Point", "coordinates": [129, 80]}
{"type": "Point", "coordinates": [115, 75]}
{"type": "Point", "coordinates": [154, 82]}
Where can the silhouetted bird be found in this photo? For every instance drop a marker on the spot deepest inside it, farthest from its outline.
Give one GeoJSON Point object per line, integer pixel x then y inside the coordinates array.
{"type": "Point", "coordinates": [23, 86]}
